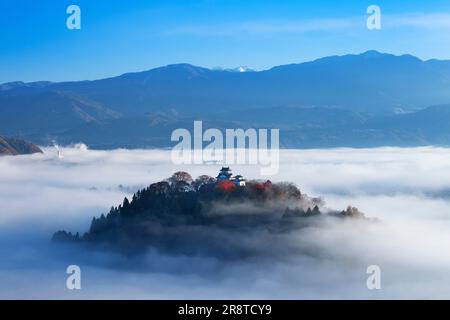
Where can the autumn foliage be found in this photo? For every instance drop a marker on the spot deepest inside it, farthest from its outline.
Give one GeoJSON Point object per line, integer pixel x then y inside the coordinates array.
{"type": "Point", "coordinates": [226, 185]}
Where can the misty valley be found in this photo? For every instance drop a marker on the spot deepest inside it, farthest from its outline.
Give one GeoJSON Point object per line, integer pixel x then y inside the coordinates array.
{"type": "Point", "coordinates": [134, 227]}
{"type": "Point", "coordinates": [269, 152]}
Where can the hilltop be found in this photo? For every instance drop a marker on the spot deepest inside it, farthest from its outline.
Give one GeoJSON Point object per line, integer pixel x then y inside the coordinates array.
{"type": "Point", "coordinates": [205, 216]}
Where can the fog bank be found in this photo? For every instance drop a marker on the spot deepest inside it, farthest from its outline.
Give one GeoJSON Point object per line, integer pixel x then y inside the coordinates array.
{"type": "Point", "coordinates": [407, 189]}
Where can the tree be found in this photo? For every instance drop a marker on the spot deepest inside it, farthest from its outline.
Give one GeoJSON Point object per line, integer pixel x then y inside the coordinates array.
{"type": "Point", "coordinates": [226, 185]}
{"type": "Point", "coordinates": [316, 211]}
{"type": "Point", "coordinates": [352, 212]}
{"type": "Point", "coordinates": [162, 187]}
{"type": "Point", "coordinates": [180, 176]}
{"type": "Point", "coordinates": [203, 180]}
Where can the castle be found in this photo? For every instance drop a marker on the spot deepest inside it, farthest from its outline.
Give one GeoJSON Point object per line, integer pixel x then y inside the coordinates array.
{"type": "Point", "coordinates": [225, 174]}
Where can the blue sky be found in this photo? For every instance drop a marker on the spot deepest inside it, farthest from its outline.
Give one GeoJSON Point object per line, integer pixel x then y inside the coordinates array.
{"type": "Point", "coordinates": [120, 36]}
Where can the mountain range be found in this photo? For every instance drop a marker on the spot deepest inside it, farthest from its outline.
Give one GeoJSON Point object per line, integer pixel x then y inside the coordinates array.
{"type": "Point", "coordinates": [368, 99]}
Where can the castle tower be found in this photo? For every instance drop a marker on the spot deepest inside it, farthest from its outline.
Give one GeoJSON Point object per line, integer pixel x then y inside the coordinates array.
{"type": "Point", "coordinates": [239, 181]}
{"type": "Point", "coordinates": [224, 174]}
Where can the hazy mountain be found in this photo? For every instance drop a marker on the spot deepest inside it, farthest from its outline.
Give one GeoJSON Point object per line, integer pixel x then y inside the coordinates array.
{"type": "Point", "coordinates": [9, 146]}
{"type": "Point", "coordinates": [367, 99]}
{"type": "Point", "coordinates": [427, 126]}
{"type": "Point", "coordinates": [299, 128]}
{"type": "Point", "coordinates": [371, 82]}
{"type": "Point", "coordinates": [21, 84]}
{"type": "Point", "coordinates": [45, 113]}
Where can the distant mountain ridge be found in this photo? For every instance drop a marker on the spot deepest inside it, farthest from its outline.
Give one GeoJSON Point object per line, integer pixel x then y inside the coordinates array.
{"type": "Point", "coordinates": [371, 82]}
{"type": "Point", "coordinates": [326, 99]}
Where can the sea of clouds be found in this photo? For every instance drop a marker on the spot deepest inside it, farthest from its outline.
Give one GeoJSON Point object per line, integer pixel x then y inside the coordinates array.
{"type": "Point", "coordinates": [407, 189]}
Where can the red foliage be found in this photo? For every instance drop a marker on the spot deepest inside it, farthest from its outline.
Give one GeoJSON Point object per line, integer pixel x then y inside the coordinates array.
{"type": "Point", "coordinates": [259, 186]}
{"type": "Point", "coordinates": [226, 185]}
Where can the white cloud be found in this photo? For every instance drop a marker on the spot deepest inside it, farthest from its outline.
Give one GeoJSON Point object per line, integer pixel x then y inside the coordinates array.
{"type": "Point", "coordinates": [440, 21]}
{"type": "Point", "coordinates": [266, 27]}
{"type": "Point", "coordinates": [419, 20]}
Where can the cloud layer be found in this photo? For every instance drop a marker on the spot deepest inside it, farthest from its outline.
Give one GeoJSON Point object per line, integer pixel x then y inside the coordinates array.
{"type": "Point", "coordinates": [406, 188]}
{"type": "Point", "coordinates": [425, 21]}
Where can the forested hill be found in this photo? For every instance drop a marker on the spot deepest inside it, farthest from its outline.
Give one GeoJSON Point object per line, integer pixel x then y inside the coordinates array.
{"type": "Point", "coordinates": [203, 216]}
